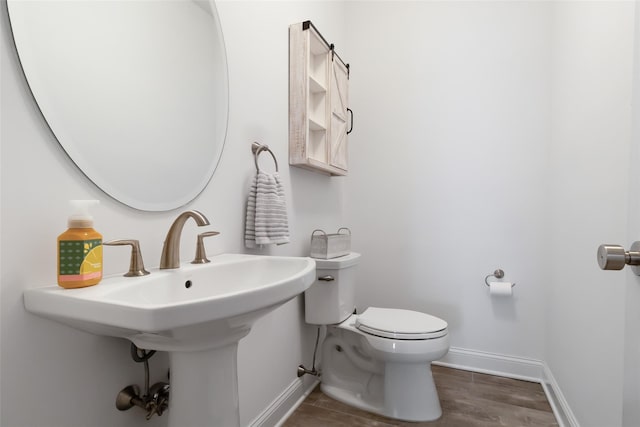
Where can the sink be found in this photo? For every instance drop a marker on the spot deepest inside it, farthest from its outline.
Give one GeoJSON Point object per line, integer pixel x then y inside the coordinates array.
{"type": "Point", "coordinates": [197, 313]}
{"type": "Point", "coordinates": [178, 309]}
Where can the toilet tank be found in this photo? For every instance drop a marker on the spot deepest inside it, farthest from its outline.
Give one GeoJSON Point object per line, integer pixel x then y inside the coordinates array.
{"type": "Point", "coordinates": [331, 301]}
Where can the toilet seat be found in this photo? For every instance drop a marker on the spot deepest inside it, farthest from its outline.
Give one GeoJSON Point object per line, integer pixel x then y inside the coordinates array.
{"type": "Point", "coordinates": [400, 324]}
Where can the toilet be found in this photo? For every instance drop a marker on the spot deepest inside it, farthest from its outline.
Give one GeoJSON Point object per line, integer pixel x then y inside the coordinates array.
{"type": "Point", "coordinates": [378, 360]}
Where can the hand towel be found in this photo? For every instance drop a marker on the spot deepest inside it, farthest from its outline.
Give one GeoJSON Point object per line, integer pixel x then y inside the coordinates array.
{"type": "Point", "coordinates": [266, 221]}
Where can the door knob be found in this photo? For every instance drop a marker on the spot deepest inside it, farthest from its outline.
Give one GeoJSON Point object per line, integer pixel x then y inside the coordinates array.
{"type": "Point", "coordinates": [614, 257]}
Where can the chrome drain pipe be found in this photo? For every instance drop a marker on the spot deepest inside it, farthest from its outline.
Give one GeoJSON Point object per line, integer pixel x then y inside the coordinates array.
{"type": "Point", "coordinates": [156, 398]}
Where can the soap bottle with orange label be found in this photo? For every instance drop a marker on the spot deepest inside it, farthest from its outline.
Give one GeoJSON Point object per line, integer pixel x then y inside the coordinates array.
{"type": "Point", "coordinates": [80, 249]}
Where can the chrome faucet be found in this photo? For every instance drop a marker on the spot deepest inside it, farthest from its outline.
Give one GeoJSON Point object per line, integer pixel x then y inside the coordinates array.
{"type": "Point", "coordinates": [171, 249]}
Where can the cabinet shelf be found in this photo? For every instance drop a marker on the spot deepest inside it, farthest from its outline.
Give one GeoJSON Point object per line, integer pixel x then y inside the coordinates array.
{"type": "Point", "coordinates": [315, 86]}
{"type": "Point", "coordinates": [316, 125]}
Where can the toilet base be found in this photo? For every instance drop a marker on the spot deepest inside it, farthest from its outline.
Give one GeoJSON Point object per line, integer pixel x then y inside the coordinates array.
{"type": "Point", "coordinates": [398, 402]}
{"type": "Point", "coordinates": [360, 371]}
{"type": "Point", "coordinates": [416, 403]}
{"type": "Point", "coordinates": [352, 398]}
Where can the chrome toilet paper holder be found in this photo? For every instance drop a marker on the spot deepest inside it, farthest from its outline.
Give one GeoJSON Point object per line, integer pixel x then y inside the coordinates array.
{"type": "Point", "coordinates": [498, 274]}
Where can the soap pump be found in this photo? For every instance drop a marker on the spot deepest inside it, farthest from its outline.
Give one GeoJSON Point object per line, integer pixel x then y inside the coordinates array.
{"type": "Point", "coordinates": [80, 249]}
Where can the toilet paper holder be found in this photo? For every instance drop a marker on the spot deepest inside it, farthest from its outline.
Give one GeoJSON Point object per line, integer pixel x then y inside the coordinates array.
{"type": "Point", "coordinates": [498, 274]}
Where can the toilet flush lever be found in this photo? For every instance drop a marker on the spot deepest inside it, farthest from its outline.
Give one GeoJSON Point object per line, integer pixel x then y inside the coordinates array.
{"type": "Point", "coordinates": [614, 257]}
{"type": "Point", "coordinates": [326, 278]}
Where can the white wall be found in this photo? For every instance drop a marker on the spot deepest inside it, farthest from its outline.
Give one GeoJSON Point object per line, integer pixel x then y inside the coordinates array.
{"type": "Point", "coordinates": [449, 163]}
{"type": "Point", "coordinates": [590, 147]}
{"type": "Point", "coordinates": [487, 134]}
{"type": "Point", "coordinates": [55, 376]}
{"type": "Point", "coordinates": [496, 134]}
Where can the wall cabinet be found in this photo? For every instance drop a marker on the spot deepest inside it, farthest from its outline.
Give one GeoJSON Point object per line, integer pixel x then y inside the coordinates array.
{"type": "Point", "coordinates": [318, 102]}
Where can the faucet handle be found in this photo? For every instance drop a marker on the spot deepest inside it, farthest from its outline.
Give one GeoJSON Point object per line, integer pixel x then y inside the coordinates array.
{"type": "Point", "coordinates": [136, 266]}
{"type": "Point", "coordinates": [201, 253]}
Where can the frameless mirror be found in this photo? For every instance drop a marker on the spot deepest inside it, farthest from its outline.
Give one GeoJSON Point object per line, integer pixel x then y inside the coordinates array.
{"type": "Point", "coordinates": [135, 91]}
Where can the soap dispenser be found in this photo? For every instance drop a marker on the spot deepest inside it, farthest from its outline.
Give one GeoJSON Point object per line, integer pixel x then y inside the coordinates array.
{"type": "Point", "coordinates": [80, 249]}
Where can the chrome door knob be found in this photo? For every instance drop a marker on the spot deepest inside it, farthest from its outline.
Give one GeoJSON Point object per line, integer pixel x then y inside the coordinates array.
{"type": "Point", "coordinates": [614, 257]}
{"type": "Point", "coordinates": [611, 257]}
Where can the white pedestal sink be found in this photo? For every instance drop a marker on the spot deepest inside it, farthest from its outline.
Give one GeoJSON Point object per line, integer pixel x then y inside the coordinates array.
{"type": "Point", "coordinates": [197, 313]}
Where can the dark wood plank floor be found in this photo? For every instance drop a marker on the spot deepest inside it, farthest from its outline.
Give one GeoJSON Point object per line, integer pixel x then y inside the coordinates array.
{"type": "Point", "coordinates": [468, 399]}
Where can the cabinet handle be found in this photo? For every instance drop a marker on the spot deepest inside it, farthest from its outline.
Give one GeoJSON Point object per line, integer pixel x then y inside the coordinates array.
{"type": "Point", "coordinates": [351, 128]}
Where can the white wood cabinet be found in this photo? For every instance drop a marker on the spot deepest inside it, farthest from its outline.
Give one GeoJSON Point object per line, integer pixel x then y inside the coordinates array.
{"type": "Point", "coordinates": [318, 102]}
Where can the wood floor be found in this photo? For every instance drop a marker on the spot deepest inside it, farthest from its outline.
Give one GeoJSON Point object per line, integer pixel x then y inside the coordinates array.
{"type": "Point", "coordinates": [468, 399]}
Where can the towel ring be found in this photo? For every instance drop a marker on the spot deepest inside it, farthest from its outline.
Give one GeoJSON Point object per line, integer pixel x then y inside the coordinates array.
{"type": "Point", "coordinates": [257, 148]}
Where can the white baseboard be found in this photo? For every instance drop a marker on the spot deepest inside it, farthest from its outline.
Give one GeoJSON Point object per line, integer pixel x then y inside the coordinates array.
{"type": "Point", "coordinates": [282, 407]}
{"type": "Point", "coordinates": [559, 404]}
{"type": "Point", "coordinates": [470, 360]}
{"type": "Point", "coordinates": [495, 364]}
{"type": "Point", "coordinates": [514, 367]}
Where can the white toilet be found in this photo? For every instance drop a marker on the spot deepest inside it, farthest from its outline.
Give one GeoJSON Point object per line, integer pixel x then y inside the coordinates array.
{"type": "Point", "coordinates": [378, 360]}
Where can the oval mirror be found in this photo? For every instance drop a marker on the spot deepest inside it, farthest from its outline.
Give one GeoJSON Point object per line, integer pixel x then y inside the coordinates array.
{"type": "Point", "coordinates": [134, 91]}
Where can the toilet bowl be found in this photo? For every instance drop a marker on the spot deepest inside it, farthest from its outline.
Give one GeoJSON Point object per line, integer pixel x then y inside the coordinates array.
{"type": "Point", "coordinates": [378, 360]}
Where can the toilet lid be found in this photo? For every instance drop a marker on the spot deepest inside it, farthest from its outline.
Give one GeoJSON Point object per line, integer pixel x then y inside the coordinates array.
{"type": "Point", "coordinates": [400, 324]}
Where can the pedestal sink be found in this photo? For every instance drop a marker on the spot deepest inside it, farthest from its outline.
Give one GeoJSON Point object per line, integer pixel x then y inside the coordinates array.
{"type": "Point", "coordinates": [197, 313]}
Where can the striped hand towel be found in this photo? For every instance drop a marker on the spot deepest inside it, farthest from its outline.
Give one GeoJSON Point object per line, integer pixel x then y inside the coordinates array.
{"type": "Point", "coordinates": [266, 221]}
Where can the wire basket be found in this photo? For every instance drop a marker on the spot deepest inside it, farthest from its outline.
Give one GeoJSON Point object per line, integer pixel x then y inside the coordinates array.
{"type": "Point", "coordinates": [326, 246]}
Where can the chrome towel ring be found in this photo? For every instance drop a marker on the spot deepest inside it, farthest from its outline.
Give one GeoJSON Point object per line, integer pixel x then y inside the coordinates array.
{"type": "Point", "coordinates": [257, 148]}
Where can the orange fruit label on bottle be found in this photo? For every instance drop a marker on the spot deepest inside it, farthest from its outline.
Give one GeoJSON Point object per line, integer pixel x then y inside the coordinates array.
{"type": "Point", "coordinates": [80, 260]}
